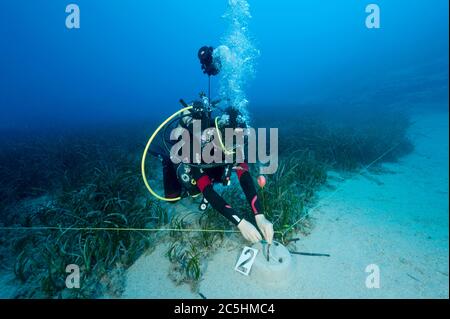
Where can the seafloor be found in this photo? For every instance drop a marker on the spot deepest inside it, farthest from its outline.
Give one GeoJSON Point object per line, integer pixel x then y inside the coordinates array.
{"type": "Point", "coordinates": [396, 218]}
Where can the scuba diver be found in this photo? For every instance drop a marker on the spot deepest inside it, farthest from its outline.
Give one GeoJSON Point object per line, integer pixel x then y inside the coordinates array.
{"type": "Point", "coordinates": [182, 179]}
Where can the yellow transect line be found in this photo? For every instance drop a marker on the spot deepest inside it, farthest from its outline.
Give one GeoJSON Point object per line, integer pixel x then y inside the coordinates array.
{"type": "Point", "coordinates": [339, 188]}
{"type": "Point", "coordinates": [189, 230]}
{"type": "Point", "coordinates": [124, 229]}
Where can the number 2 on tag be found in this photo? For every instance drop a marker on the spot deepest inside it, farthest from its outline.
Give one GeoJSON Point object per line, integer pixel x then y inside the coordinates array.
{"type": "Point", "coordinates": [245, 261]}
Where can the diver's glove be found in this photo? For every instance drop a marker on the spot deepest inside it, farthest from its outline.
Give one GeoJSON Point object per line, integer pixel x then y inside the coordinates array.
{"type": "Point", "coordinates": [265, 226]}
{"type": "Point", "coordinates": [249, 231]}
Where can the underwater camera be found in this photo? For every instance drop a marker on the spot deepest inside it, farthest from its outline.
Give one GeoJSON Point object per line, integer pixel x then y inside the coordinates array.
{"type": "Point", "coordinates": [201, 111]}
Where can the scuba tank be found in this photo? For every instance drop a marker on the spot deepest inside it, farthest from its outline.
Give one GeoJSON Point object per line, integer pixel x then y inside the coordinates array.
{"type": "Point", "coordinates": [200, 110]}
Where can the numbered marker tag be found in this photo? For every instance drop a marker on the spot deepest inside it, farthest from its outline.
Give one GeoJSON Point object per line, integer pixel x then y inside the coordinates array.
{"type": "Point", "coordinates": [245, 261]}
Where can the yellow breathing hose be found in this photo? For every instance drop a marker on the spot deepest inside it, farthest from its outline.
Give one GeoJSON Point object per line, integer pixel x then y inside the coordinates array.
{"type": "Point", "coordinates": [227, 152]}
{"type": "Point", "coordinates": [150, 141]}
{"type": "Point", "coordinates": [147, 147]}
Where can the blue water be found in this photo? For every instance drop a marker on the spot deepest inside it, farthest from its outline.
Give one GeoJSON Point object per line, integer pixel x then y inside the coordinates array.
{"type": "Point", "coordinates": [135, 59]}
{"type": "Point", "coordinates": [130, 62]}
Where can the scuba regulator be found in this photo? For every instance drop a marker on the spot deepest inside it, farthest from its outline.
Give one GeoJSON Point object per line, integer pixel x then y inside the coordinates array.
{"type": "Point", "coordinates": [199, 110]}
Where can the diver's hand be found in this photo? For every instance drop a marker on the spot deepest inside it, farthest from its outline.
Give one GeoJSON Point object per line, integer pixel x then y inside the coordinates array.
{"type": "Point", "coordinates": [265, 226]}
{"type": "Point", "coordinates": [249, 231]}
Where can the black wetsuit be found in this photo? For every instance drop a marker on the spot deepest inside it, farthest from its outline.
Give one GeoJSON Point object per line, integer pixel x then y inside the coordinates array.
{"type": "Point", "coordinates": [205, 179]}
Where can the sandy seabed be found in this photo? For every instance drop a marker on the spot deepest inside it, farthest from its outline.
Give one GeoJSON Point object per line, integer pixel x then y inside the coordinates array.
{"type": "Point", "coordinates": [397, 220]}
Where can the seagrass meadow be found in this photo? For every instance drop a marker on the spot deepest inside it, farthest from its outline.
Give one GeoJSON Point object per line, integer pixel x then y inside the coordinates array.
{"type": "Point", "coordinates": [83, 183]}
{"type": "Point", "coordinates": [356, 93]}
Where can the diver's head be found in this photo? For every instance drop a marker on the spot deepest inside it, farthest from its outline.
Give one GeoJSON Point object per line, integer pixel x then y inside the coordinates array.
{"type": "Point", "coordinates": [232, 118]}
{"type": "Point", "coordinates": [231, 130]}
